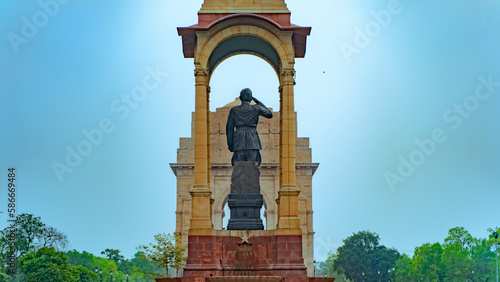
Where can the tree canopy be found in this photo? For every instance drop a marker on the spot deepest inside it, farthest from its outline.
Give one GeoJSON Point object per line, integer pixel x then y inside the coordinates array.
{"type": "Point", "coordinates": [363, 258]}
{"type": "Point", "coordinates": [113, 254]}
{"type": "Point", "coordinates": [39, 251]}
{"type": "Point", "coordinates": [47, 264]}
{"type": "Point", "coordinates": [461, 257]}
{"type": "Point", "coordinates": [166, 252]}
{"type": "Point", "coordinates": [30, 235]}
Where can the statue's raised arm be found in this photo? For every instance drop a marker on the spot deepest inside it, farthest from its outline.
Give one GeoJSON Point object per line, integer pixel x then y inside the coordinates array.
{"type": "Point", "coordinates": [265, 112]}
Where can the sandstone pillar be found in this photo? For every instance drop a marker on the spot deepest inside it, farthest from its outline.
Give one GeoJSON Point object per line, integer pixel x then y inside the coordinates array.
{"type": "Point", "coordinates": [288, 199]}
{"type": "Point", "coordinates": [200, 192]}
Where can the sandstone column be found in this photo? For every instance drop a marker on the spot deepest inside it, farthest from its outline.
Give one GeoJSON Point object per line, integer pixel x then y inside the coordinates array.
{"type": "Point", "coordinates": [288, 199]}
{"type": "Point", "coordinates": [200, 192]}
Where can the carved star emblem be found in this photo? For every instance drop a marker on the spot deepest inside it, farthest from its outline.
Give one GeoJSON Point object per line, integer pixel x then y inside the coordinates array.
{"type": "Point", "coordinates": [244, 239]}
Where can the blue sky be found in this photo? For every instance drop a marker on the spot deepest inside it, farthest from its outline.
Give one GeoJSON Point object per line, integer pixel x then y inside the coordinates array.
{"type": "Point", "coordinates": [407, 79]}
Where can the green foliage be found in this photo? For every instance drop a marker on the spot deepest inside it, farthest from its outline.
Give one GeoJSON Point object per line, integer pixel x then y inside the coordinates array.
{"type": "Point", "coordinates": [483, 261]}
{"type": "Point", "coordinates": [143, 268]}
{"type": "Point", "coordinates": [84, 259]}
{"type": "Point", "coordinates": [133, 267]}
{"type": "Point", "coordinates": [427, 262]}
{"type": "Point", "coordinates": [113, 254]}
{"type": "Point", "coordinates": [403, 268]}
{"type": "Point", "coordinates": [47, 264]}
{"type": "Point", "coordinates": [167, 252]}
{"type": "Point", "coordinates": [457, 254]}
{"type": "Point", "coordinates": [126, 266]}
{"type": "Point", "coordinates": [28, 228]}
{"type": "Point", "coordinates": [30, 235]}
{"type": "Point", "coordinates": [139, 267]}
{"type": "Point", "coordinates": [325, 268]}
{"type": "Point", "coordinates": [461, 257]}
{"type": "Point", "coordinates": [90, 262]}
{"type": "Point", "coordinates": [84, 274]}
{"type": "Point", "coordinates": [321, 269]}
{"type": "Point", "coordinates": [107, 265]}
{"type": "Point", "coordinates": [460, 238]}
{"type": "Point", "coordinates": [362, 258]}
{"type": "Point", "coordinates": [491, 238]}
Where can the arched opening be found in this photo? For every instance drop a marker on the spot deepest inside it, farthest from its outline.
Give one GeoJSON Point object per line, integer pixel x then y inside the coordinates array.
{"type": "Point", "coordinates": [244, 44]}
{"type": "Point", "coordinates": [242, 71]}
{"type": "Point", "coordinates": [233, 74]}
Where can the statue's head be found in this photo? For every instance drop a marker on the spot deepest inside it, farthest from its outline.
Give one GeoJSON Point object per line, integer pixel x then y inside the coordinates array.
{"type": "Point", "coordinates": [246, 95]}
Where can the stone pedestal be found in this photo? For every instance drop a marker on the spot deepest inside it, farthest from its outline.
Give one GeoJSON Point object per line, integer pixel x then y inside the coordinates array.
{"type": "Point", "coordinates": [245, 200]}
{"type": "Point", "coordinates": [241, 253]}
{"type": "Point", "coordinates": [245, 212]}
{"type": "Point", "coordinates": [246, 255]}
{"type": "Point", "coordinates": [245, 178]}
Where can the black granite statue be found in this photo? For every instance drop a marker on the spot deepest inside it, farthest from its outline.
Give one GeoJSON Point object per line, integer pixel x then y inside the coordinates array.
{"type": "Point", "coordinates": [241, 128]}
{"type": "Point", "coordinates": [245, 199]}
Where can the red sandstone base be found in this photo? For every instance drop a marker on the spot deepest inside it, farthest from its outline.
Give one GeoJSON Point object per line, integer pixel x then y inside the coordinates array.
{"type": "Point", "coordinates": [261, 259]}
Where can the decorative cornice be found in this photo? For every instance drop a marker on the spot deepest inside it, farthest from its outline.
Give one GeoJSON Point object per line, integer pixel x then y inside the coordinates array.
{"type": "Point", "coordinates": [299, 34]}
{"type": "Point", "coordinates": [225, 169]}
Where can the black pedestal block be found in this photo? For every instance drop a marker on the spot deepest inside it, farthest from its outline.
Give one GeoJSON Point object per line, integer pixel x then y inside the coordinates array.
{"type": "Point", "coordinates": [245, 212]}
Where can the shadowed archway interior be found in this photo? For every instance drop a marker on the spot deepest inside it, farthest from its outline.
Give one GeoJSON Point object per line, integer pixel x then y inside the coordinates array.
{"type": "Point", "coordinates": [244, 44]}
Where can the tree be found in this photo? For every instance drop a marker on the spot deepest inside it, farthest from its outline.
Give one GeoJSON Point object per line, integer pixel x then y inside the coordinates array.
{"type": "Point", "coordinates": [91, 262]}
{"type": "Point", "coordinates": [84, 259]}
{"type": "Point", "coordinates": [28, 228]}
{"type": "Point", "coordinates": [403, 269]}
{"type": "Point", "coordinates": [362, 258]}
{"type": "Point", "coordinates": [491, 238]}
{"type": "Point", "coordinates": [47, 264]}
{"type": "Point", "coordinates": [167, 252]}
{"type": "Point", "coordinates": [30, 235]}
{"type": "Point", "coordinates": [461, 257]}
{"type": "Point", "coordinates": [143, 268]}
{"type": "Point", "coordinates": [50, 237]}
{"type": "Point", "coordinates": [427, 264]}
{"type": "Point", "coordinates": [84, 274]}
{"type": "Point", "coordinates": [483, 261]}
{"type": "Point", "coordinates": [466, 257]}
{"type": "Point", "coordinates": [321, 269]}
{"type": "Point", "coordinates": [126, 266]}
{"type": "Point", "coordinates": [461, 238]}
{"type": "Point", "coordinates": [325, 269]}
{"type": "Point", "coordinates": [134, 267]}
{"type": "Point", "coordinates": [113, 254]}
{"type": "Point", "coordinates": [457, 254]}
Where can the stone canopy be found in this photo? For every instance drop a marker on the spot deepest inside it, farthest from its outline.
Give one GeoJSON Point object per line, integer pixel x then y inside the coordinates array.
{"type": "Point", "coordinates": [262, 28]}
{"type": "Point", "coordinates": [217, 14]}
